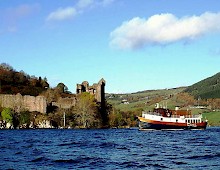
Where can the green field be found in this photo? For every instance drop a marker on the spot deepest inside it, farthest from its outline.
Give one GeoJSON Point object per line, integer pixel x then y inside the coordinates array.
{"type": "Point", "coordinates": [213, 118]}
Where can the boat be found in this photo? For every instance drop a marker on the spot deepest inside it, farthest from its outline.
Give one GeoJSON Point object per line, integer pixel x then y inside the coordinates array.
{"type": "Point", "coordinates": [166, 119]}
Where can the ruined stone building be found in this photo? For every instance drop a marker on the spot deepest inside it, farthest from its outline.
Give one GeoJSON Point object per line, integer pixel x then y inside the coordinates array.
{"type": "Point", "coordinates": [39, 103]}
{"type": "Point", "coordinates": [22, 103]}
{"type": "Point", "coordinates": [97, 89]}
{"type": "Point", "coordinates": [65, 103]}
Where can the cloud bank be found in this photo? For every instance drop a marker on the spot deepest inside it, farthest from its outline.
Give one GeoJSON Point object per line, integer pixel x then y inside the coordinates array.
{"type": "Point", "coordinates": [163, 29]}
{"type": "Point", "coordinates": [72, 11]}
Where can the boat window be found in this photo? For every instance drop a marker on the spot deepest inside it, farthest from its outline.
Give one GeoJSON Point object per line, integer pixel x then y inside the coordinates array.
{"type": "Point", "coordinates": [199, 121]}
{"type": "Point", "coordinates": [161, 119]}
{"type": "Point", "coordinates": [186, 121]}
{"type": "Point", "coordinates": [176, 120]}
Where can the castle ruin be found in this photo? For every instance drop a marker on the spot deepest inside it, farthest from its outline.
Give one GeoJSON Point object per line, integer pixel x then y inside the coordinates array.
{"type": "Point", "coordinates": [97, 89]}
{"type": "Point", "coordinates": [22, 103]}
{"type": "Point", "coordinates": [39, 103]}
{"type": "Point", "coordinates": [65, 103]}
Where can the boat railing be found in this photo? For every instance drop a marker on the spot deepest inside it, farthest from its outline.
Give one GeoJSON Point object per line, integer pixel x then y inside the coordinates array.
{"type": "Point", "coordinates": [152, 113]}
{"type": "Point", "coordinates": [186, 116]}
{"type": "Point", "coordinates": [193, 116]}
{"type": "Point", "coordinates": [173, 115]}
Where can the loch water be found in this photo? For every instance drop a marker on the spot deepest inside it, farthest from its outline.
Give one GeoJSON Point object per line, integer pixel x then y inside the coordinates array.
{"type": "Point", "coordinates": [109, 149]}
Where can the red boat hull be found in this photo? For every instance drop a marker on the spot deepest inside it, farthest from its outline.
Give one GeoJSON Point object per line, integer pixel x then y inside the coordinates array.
{"type": "Point", "coordinates": [151, 124]}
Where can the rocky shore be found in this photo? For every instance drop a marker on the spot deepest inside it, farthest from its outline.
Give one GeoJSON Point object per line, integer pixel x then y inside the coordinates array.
{"type": "Point", "coordinates": [44, 125]}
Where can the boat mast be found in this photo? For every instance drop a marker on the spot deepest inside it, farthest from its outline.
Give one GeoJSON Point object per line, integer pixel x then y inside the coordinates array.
{"type": "Point", "coordinates": [64, 119]}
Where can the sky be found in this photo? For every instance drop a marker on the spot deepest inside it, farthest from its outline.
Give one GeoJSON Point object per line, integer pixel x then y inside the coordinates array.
{"type": "Point", "coordinates": [134, 45]}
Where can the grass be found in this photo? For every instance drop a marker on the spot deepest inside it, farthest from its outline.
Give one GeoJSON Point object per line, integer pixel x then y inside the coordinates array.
{"type": "Point", "coordinates": [139, 100]}
{"type": "Point", "coordinates": [213, 118]}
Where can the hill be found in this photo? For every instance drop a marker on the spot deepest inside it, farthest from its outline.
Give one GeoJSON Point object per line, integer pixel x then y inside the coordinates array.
{"type": "Point", "coordinates": [207, 88]}
{"type": "Point", "coordinates": [143, 100]}
{"type": "Point", "coordinates": [135, 103]}
{"type": "Point", "coordinates": [13, 82]}
{"type": "Point", "coordinates": [184, 97]}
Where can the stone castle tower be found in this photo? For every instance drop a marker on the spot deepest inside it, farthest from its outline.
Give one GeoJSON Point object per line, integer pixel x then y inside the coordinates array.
{"type": "Point", "coordinates": [97, 89]}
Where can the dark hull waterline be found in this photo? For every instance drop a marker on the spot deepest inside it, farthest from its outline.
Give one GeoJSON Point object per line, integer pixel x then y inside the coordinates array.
{"type": "Point", "coordinates": [146, 126]}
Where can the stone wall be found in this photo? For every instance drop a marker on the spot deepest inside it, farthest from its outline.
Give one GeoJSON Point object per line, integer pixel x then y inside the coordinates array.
{"type": "Point", "coordinates": [65, 103]}
{"type": "Point", "coordinates": [20, 103]}
{"type": "Point", "coordinates": [31, 103]}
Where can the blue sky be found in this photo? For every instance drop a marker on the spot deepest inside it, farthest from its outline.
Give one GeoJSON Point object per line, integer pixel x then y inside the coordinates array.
{"type": "Point", "coordinates": [133, 45]}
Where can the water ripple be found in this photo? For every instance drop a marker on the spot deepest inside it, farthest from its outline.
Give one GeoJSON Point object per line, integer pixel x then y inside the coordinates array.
{"type": "Point", "coordinates": [109, 149]}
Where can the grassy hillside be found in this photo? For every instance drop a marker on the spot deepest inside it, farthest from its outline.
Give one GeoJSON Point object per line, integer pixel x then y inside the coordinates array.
{"type": "Point", "coordinates": [207, 88]}
{"type": "Point", "coordinates": [144, 100]}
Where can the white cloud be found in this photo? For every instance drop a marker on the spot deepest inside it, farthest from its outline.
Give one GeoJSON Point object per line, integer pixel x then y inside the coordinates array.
{"type": "Point", "coordinates": [163, 29]}
{"type": "Point", "coordinates": [107, 2]}
{"type": "Point", "coordinates": [71, 11]}
{"type": "Point", "coordinates": [62, 14]}
{"type": "Point", "coordinates": [82, 4]}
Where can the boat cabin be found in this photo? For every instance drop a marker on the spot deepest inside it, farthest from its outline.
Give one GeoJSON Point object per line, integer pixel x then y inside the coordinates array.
{"type": "Point", "coordinates": [172, 113]}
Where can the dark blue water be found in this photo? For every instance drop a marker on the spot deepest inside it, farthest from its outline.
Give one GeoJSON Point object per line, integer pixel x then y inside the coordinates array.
{"type": "Point", "coordinates": [109, 149]}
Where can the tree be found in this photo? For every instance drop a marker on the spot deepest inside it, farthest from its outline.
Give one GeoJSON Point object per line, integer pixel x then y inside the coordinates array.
{"type": "Point", "coordinates": [86, 111]}
{"type": "Point", "coordinates": [7, 115]}
{"type": "Point", "coordinates": [113, 121]}
{"type": "Point", "coordinates": [185, 99]}
{"type": "Point", "coordinates": [44, 83]}
{"type": "Point", "coordinates": [6, 66]}
{"type": "Point", "coordinates": [214, 103]}
{"type": "Point", "coordinates": [24, 118]}
{"type": "Point", "coordinates": [60, 88]}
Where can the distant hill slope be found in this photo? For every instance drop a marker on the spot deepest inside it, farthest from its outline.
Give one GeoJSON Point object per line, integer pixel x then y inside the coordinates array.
{"type": "Point", "coordinates": [207, 88]}
{"type": "Point", "coordinates": [142, 100]}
